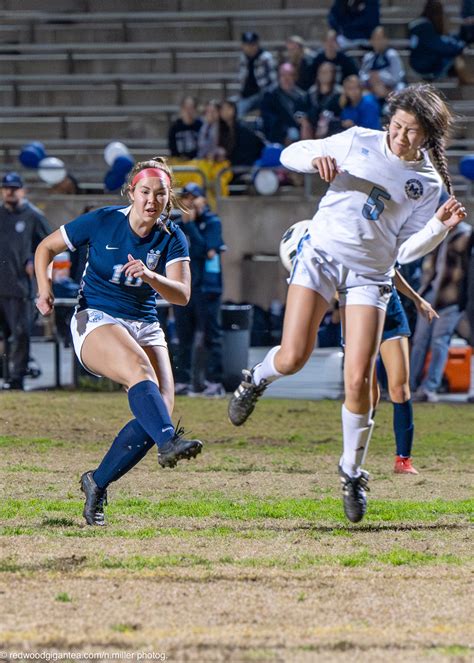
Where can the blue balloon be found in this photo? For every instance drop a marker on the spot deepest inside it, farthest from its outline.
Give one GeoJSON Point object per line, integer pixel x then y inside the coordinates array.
{"type": "Point", "coordinates": [270, 156]}
{"type": "Point", "coordinates": [123, 164]}
{"type": "Point", "coordinates": [466, 167]}
{"type": "Point", "coordinates": [32, 154]}
{"type": "Point", "coordinates": [114, 180]}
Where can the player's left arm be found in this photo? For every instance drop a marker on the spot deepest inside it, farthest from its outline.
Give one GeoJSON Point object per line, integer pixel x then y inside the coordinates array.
{"type": "Point", "coordinates": [422, 306]}
{"type": "Point", "coordinates": [418, 244]}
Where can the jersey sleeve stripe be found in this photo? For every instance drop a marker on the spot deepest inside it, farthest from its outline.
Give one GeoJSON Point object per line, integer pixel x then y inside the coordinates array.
{"type": "Point", "coordinates": [180, 259]}
{"type": "Point", "coordinates": [66, 239]}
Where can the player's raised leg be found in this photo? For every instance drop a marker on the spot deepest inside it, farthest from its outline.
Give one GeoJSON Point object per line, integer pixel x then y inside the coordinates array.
{"type": "Point", "coordinates": [304, 311]}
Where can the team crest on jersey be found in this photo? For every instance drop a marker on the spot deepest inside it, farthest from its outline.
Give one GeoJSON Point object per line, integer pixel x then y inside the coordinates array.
{"type": "Point", "coordinates": [414, 189]}
{"type": "Point", "coordinates": [20, 226]}
{"type": "Point", "coordinates": [95, 316]}
{"type": "Point", "coordinates": [152, 258]}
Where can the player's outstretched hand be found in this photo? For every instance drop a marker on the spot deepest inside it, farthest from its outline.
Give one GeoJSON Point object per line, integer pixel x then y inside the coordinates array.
{"type": "Point", "coordinates": [451, 212]}
{"type": "Point", "coordinates": [327, 168]}
{"type": "Point", "coordinates": [45, 303]}
{"type": "Point", "coordinates": [425, 309]}
{"type": "Point", "coordinates": [136, 269]}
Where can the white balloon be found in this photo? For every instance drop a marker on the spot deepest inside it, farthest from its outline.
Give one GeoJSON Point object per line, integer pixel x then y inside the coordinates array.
{"type": "Point", "coordinates": [52, 170]}
{"type": "Point", "coordinates": [266, 182]}
{"type": "Point", "coordinates": [114, 150]}
{"type": "Point", "coordinates": [290, 241]}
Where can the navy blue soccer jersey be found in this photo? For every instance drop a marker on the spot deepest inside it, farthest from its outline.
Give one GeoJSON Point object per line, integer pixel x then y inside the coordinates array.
{"type": "Point", "coordinates": [110, 239]}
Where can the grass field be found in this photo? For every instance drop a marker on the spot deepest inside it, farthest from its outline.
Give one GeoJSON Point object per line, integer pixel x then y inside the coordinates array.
{"type": "Point", "coordinates": [243, 554]}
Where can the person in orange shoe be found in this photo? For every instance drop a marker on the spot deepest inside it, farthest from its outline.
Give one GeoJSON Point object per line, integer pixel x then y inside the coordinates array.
{"type": "Point", "coordinates": [395, 355]}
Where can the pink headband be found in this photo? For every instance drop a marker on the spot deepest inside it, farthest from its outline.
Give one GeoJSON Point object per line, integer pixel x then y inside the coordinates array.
{"type": "Point", "coordinates": [152, 172]}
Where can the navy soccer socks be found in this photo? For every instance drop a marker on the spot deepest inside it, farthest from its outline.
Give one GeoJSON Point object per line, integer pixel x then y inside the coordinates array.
{"type": "Point", "coordinates": [148, 406]}
{"type": "Point", "coordinates": [128, 448]}
{"type": "Point", "coordinates": [403, 427]}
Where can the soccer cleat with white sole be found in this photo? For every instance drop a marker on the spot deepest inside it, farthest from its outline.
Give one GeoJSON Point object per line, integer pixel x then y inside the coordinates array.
{"type": "Point", "coordinates": [244, 398]}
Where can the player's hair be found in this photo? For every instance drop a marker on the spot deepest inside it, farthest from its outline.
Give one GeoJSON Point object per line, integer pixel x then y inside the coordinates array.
{"type": "Point", "coordinates": [435, 118]}
{"type": "Point", "coordinates": [161, 164]}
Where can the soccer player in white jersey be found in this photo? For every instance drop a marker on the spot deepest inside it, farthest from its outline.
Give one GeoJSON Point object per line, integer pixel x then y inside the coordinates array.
{"type": "Point", "coordinates": [380, 207]}
{"type": "Point", "coordinates": [135, 254]}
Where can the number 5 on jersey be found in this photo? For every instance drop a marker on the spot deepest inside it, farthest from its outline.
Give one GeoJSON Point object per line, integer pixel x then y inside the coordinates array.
{"type": "Point", "coordinates": [375, 205]}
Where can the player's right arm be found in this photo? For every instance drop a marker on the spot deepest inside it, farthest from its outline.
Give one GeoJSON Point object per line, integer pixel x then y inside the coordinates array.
{"type": "Point", "coordinates": [48, 248]}
{"type": "Point", "coordinates": [319, 156]}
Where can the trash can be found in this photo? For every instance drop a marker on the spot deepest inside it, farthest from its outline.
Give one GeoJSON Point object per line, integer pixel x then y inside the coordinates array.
{"type": "Point", "coordinates": [236, 320]}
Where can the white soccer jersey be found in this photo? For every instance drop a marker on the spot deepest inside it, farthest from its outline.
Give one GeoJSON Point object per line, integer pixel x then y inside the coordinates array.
{"type": "Point", "coordinates": [379, 209]}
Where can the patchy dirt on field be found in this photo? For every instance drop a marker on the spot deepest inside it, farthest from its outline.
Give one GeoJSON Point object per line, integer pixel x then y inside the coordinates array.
{"type": "Point", "coordinates": [223, 587]}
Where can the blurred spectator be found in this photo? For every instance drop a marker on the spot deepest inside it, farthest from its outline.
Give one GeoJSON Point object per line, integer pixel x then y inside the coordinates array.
{"type": "Point", "coordinates": [359, 109]}
{"type": "Point", "coordinates": [23, 227]}
{"type": "Point", "coordinates": [284, 109]}
{"type": "Point", "coordinates": [324, 108]}
{"type": "Point", "coordinates": [302, 59]}
{"type": "Point", "coordinates": [466, 32]}
{"type": "Point", "coordinates": [69, 186]}
{"type": "Point", "coordinates": [183, 133]}
{"type": "Point", "coordinates": [242, 145]}
{"type": "Point", "coordinates": [198, 329]}
{"type": "Point", "coordinates": [445, 287]}
{"type": "Point", "coordinates": [208, 138]}
{"type": "Point", "coordinates": [354, 21]}
{"type": "Point", "coordinates": [382, 70]}
{"type": "Point", "coordinates": [432, 53]}
{"type": "Point", "coordinates": [257, 72]}
{"type": "Point", "coordinates": [330, 52]}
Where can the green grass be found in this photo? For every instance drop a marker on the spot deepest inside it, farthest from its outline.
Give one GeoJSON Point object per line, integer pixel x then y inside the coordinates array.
{"type": "Point", "coordinates": [63, 597]}
{"type": "Point", "coordinates": [327, 509]}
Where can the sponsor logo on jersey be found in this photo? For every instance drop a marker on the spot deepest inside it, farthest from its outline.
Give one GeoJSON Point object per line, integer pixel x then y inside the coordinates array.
{"type": "Point", "coordinates": [111, 248]}
{"type": "Point", "coordinates": [20, 226]}
{"type": "Point", "coordinates": [414, 189]}
{"type": "Point", "coordinates": [365, 152]}
{"type": "Point", "coordinates": [152, 258]}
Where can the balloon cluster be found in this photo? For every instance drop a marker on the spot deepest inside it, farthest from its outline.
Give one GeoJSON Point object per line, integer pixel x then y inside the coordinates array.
{"type": "Point", "coordinates": [118, 157]}
{"type": "Point", "coordinates": [50, 169]}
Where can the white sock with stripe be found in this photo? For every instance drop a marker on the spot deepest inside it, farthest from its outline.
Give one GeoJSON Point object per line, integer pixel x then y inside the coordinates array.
{"type": "Point", "coordinates": [266, 370]}
{"type": "Point", "coordinates": [356, 434]}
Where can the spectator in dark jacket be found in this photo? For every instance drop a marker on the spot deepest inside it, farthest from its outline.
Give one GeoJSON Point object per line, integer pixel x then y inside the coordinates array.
{"type": "Point", "coordinates": [183, 133]}
{"type": "Point", "coordinates": [354, 21]}
{"type": "Point", "coordinates": [331, 52]}
{"type": "Point", "coordinates": [361, 110]}
{"type": "Point", "coordinates": [302, 59]}
{"type": "Point", "coordinates": [382, 69]}
{"type": "Point", "coordinates": [198, 323]}
{"type": "Point", "coordinates": [257, 73]}
{"type": "Point", "coordinates": [23, 227]}
{"type": "Point", "coordinates": [466, 32]}
{"type": "Point", "coordinates": [242, 145]}
{"type": "Point", "coordinates": [324, 107]}
{"type": "Point", "coordinates": [284, 108]}
{"type": "Point", "coordinates": [432, 53]}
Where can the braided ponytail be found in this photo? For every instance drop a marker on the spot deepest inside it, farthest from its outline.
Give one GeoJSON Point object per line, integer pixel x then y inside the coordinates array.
{"type": "Point", "coordinates": [441, 164]}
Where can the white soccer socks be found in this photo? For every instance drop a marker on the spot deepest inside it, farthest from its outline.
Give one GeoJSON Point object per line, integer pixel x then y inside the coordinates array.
{"type": "Point", "coordinates": [266, 370]}
{"type": "Point", "coordinates": [356, 433]}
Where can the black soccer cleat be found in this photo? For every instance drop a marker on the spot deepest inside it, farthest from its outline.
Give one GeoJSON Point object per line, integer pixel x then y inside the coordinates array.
{"type": "Point", "coordinates": [178, 449]}
{"type": "Point", "coordinates": [353, 494]}
{"type": "Point", "coordinates": [95, 499]}
{"type": "Point", "coordinates": [244, 399]}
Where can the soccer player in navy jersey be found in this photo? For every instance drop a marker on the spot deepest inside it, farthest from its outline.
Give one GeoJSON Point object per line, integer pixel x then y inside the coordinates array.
{"type": "Point", "coordinates": [135, 255]}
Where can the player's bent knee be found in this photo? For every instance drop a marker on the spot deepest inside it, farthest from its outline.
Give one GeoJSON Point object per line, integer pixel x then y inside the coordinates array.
{"type": "Point", "coordinates": [399, 393]}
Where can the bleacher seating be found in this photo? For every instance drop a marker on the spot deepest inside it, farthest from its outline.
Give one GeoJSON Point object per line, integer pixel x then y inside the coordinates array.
{"type": "Point", "coordinates": [78, 73]}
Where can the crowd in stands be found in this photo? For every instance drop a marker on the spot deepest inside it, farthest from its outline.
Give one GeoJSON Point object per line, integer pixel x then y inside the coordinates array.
{"type": "Point", "coordinates": [308, 93]}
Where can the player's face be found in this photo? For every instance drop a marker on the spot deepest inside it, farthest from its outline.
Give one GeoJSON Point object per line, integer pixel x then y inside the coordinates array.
{"type": "Point", "coordinates": [406, 135]}
{"type": "Point", "coordinates": [150, 198]}
{"type": "Point", "coordinates": [12, 195]}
